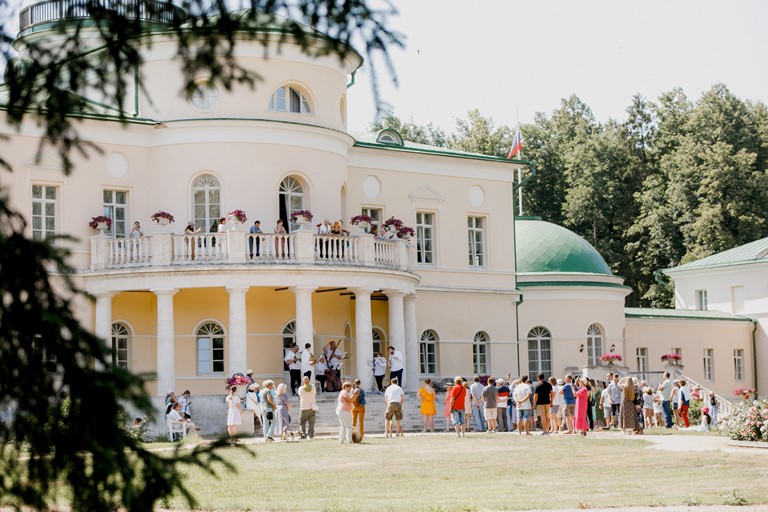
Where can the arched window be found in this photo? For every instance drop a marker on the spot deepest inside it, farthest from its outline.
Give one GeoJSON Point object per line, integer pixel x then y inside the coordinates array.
{"type": "Point", "coordinates": [291, 200]}
{"type": "Point", "coordinates": [289, 338]}
{"type": "Point", "coordinates": [594, 344]}
{"type": "Point", "coordinates": [206, 198]}
{"type": "Point", "coordinates": [539, 352]}
{"type": "Point", "coordinates": [205, 96]}
{"type": "Point", "coordinates": [480, 353]}
{"type": "Point", "coordinates": [378, 339]}
{"type": "Point", "coordinates": [428, 353]}
{"type": "Point", "coordinates": [121, 338]}
{"type": "Point", "coordinates": [210, 349]}
{"type": "Point", "coordinates": [289, 99]}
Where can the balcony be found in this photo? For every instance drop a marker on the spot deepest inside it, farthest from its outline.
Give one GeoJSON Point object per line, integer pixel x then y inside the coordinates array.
{"type": "Point", "coordinates": [239, 248]}
{"type": "Point", "coordinates": [52, 11]}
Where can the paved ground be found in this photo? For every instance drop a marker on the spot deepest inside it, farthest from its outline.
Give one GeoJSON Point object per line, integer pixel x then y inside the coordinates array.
{"type": "Point", "coordinates": [676, 508]}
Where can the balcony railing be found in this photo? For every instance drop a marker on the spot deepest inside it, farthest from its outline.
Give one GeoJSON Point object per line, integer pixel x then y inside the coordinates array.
{"type": "Point", "coordinates": [61, 10]}
{"type": "Point", "coordinates": [236, 247]}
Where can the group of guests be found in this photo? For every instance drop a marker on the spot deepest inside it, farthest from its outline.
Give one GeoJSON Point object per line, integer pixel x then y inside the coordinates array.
{"type": "Point", "coordinates": [179, 410]}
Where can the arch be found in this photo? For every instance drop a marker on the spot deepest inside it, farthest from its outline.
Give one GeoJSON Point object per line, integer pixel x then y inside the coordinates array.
{"type": "Point", "coordinates": [595, 337]}
{"type": "Point", "coordinates": [292, 98]}
{"type": "Point", "coordinates": [209, 344]}
{"type": "Point", "coordinates": [122, 335]}
{"type": "Point", "coordinates": [292, 197]}
{"type": "Point", "coordinates": [480, 353]}
{"type": "Point", "coordinates": [289, 338]}
{"type": "Point", "coordinates": [379, 340]}
{"type": "Point", "coordinates": [390, 136]}
{"type": "Point", "coordinates": [428, 344]}
{"type": "Point", "coordinates": [205, 95]}
{"type": "Point", "coordinates": [206, 201]}
{"type": "Point", "coordinates": [539, 351]}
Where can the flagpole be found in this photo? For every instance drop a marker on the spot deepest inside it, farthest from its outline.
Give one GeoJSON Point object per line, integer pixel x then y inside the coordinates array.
{"type": "Point", "coordinates": [519, 172]}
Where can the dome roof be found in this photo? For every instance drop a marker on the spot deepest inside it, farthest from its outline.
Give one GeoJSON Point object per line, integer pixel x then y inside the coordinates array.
{"type": "Point", "coordinates": [546, 247]}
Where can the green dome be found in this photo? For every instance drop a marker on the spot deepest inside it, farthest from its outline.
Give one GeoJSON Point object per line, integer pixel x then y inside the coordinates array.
{"type": "Point", "coordinates": [546, 247]}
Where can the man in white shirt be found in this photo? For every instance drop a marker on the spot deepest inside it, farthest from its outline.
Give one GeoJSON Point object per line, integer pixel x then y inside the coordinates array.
{"type": "Point", "coordinates": [476, 391]}
{"type": "Point", "coordinates": [293, 360]}
{"type": "Point", "coordinates": [307, 361]}
{"type": "Point", "coordinates": [522, 396]}
{"type": "Point", "coordinates": [174, 416]}
{"type": "Point", "coordinates": [395, 365]}
{"type": "Point", "coordinates": [394, 398]}
{"type": "Point", "coordinates": [665, 388]}
{"type": "Point", "coordinates": [308, 407]}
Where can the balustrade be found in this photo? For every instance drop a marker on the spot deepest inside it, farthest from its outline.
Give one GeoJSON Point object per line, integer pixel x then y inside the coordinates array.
{"type": "Point", "coordinates": [62, 10]}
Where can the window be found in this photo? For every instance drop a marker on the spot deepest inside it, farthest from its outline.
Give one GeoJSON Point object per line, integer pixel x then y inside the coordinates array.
{"type": "Point", "coordinates": [425, 237]}
{"type": "Point", "coordinates": [678, 351]}
{"type": "Point", "coordinates": [378, 338]}
{"type": "Point", "coordinates": [289, 338]}
{"type": "Point", "coordinates": [291, 200]}
{"type": "Point", "coordinates": [205, 97]}
{"type": "Point", "coordinates": [44, 207]}
{"type": "Point", "coordinates": [115, 207]}
{"type": "Point", "coordinates": [289, 99]}
{"type": "Point", "coordinates": [476, 236]}
{"type": "Point", "coordinates": [46, 357]}
{"type": "Point", "coordinates": [709, 365]}
{"type": "Point", "coordinates": [642, 361]}
{"type": "Point", "coordinates": [738, 364]}
{"type": "Point", "coordinates": [428, 353]}
{"type": "Point", "coordinates": [210, 349]}
{"type": "Point", "coordinates": [120, 339]}
{"type": "Point", "coordinates": [480, 353]}
{"type": "Point", "coordinates": [594, 344]}
{"type": "Point", "coordinates": [539, 351]}
{"type": "Point", "coordinates": [701, 300]}
{"type": "Point", "coordinates": [206, 197]}
{"type": "Point", "coordinates": [374, 213]}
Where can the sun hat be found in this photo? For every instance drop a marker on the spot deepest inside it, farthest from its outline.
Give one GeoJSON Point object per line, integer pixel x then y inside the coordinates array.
{"type": "Point", "coordinates": [248, 371]}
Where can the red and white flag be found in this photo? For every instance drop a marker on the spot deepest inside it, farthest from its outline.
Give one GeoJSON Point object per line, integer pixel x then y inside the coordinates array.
{"type": "Point", "coordinates": [517, 145]}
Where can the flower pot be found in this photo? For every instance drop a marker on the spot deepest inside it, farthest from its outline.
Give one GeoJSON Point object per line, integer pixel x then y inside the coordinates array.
{"type": "Point", "coordinates": [102, 226]}
{"type": "Point", "coordinates": [364, 225]}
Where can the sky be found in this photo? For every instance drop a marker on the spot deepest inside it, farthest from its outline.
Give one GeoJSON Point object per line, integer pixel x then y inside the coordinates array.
{"type": "Point", "coordinates": [513, 58]}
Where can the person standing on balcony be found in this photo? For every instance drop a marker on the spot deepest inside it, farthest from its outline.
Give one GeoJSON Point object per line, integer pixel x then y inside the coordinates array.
{"type": "Point", "coordinates": [293, 360]}
{"type": "Point", "coordinates": [395, 363]}
{"type": "Point", "coordinates": [280, 244]}
{"type": "Point", "coordinates": [222, 227]}
{"type": "Point", "coordinates": [136, 232]}
{"type": "Point", "coordinates": [254, 239]}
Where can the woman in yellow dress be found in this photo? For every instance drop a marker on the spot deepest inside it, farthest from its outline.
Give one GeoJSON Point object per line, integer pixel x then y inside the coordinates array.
{"type": "Point", "coordinates": [428, 410]}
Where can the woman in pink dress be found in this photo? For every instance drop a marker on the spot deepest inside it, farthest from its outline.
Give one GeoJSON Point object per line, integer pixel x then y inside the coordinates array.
{"type": "Point", "coordinates": [447, 409]}
{"type": "Point", "coordinates": [581, 425]}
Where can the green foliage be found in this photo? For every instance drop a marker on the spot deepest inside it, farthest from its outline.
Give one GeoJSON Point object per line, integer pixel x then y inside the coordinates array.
{"type": "Point", "coordinates": [734, 499]}
{"type": "Point", "coordinates": [430, 134]}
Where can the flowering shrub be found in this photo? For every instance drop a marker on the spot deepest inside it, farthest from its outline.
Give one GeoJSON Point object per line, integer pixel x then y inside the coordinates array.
{"type": "Point", "coordinates": [748, 421]}
{"type": "Point", "coordinates": [95, 221]}
{"type": "Point", "coordinates": [610, 357]}
{"type": "Point", "coordinates": [237, 380]}
{"type": "Point", "coordinates": [239, 215]}
{"type": "Point", "coordinates": [301, 213]}
{"type": "Point", "coordinates": [671, 357]}
{"type": "Point", "coordinates": [357, 219]}
{"type": "Point", "coordinates": [744, 391]}
{"type": "Point", "coordinates": [162, 215]}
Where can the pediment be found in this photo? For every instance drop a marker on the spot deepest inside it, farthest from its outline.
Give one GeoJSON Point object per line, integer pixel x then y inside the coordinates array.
{"type": "Point", "coordinates": [426, 197]}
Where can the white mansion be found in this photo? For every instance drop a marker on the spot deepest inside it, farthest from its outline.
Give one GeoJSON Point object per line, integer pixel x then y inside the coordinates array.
{"type": "Point", "coordinates": [472, 292]}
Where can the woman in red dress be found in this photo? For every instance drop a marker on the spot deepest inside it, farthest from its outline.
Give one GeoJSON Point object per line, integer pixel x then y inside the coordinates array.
{"type": "Point", "coordinates": [581, 425]}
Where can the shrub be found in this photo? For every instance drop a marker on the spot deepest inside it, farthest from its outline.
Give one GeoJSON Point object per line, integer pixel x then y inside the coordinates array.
{"type": "Point", "coordinates": [748, 421]}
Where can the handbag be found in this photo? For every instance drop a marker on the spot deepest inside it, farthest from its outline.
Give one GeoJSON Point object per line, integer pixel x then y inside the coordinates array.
{"type": "Point", "coordinates": [270, 415]}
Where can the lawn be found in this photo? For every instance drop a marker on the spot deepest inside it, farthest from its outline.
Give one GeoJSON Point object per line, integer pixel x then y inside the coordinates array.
{"type": "Point", "coordinates": [482, 472]}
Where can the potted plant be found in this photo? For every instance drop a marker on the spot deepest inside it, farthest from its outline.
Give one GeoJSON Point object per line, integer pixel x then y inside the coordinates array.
{"type": "Point", "coordinates": [102, 222]}
{"type": "Point", "coordinates": [610, 358]}
{"type": "Point", "coordinates": [237, 216]}
{"type": "Point", "coordinates": [162, 218]}
{"type": "Point", "coordinates": [393, 224]}
{"type": "Point", "coordinates": [301, 216]}
{"type": "Point", "coordinates": [672, 358]}
{"type": "Point", "coordinates": [362, 220]}
{"type": "Point", "coordinates": [405, 232]}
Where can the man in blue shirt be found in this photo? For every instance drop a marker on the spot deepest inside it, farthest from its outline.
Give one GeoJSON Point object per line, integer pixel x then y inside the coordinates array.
{"type": "Point", "coordinates": [255, 231]}
{"type": "Point", "coordinates": [569, 400]}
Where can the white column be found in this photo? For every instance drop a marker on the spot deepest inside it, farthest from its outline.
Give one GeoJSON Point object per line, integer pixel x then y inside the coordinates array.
{"type": "Point", "coordinates": [363, 337]}
{"type": "Point", "coordinates": [103, 327]}
{"type": "Point", "coordinates": [411, 344]}
{"type": "Point", "coordinates": [238, 352]}
{"type": "Point", "coordinates": [166, 343]}
{"type": "Point", "coordinates": [397, 327]}
{"type": "Point", "coordinates": [304, 324]}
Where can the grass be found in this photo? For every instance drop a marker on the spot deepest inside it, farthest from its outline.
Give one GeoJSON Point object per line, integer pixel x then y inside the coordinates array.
{"type": "Point", "coordinates": [476, 474]}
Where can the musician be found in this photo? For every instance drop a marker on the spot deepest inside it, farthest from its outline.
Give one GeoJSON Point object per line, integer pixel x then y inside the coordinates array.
{"type": "Point", "coordinates": [333, 357]}
{"type": "Point", "coordinates": [395, 364]}
{"type": "Point", "coordinates": [307, 360]}
{"type": "Point", "coordinates": [320, 369]}
{"type": "Point", "coordinates": [293, 360]}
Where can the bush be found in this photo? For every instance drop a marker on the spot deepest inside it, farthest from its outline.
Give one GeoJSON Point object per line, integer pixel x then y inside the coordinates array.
{"type": "Point", "coordinates": [748, 421]}
{"type": "Point", "coordinates": [694, 411]}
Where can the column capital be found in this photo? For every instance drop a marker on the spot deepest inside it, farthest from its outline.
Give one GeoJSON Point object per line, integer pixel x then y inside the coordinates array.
{"type": "Point", "coordinates": [104, 295]}
{"type": "Point", "coordinates": [171, 291]}
{"type": "Point", "coordinates": [410, 297]}
{"type": "Point", "coordinates": [235, 289]}
{"type": "Point", "coordinates": [394, 293]}
{"type": "Point", "coordinates": [303, 288]}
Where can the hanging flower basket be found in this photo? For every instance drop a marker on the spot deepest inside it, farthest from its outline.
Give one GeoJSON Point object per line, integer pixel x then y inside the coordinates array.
{"type": "Point", "coordinates": [610, 358]}
{"type": "Point", "coordinates": [101, 222]}
{"type": "Point", "coordinates": [301, 216]}
{"type": "Point", "coordinates": [162, 218]}
{"type": "Point", "coordinates": [238, 216]}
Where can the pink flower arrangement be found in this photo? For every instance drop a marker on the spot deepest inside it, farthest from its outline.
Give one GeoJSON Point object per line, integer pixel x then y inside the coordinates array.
{"type": "Point", "coordinates": [357, 219]}
{"type": "Point", "coordinates": [162, 215]}
{"type": "Point", "coordinates": [671, 357]}
{"type": "Point", "coordinates": [744, 391]}
{"type": "Point", "coordinates": [405, 232]}
{"type": "Point", "coordinates": [301, 213]}
{"type": "Point", "coordinates": [237, 380]}
{"type": "Point", "coordinates": [95, 221]}
{"type": "Point", "coordinates": [239, 215]}
{"type": "Point", "coordinates": [610, 357]}
{"type": "Point", "coordinates": [402, 230]}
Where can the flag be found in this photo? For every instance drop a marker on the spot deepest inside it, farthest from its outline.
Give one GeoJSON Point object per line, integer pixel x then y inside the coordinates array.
{"type": "Point", "coordinates": [517, 145]}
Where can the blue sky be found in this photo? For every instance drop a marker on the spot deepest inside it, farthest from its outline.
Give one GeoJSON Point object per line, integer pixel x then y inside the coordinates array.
{"type": "Point", "coordinates": [515, 57]}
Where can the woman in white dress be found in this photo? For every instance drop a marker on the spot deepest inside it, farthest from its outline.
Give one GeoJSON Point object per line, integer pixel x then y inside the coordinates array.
{"type": "Point", "coordinates": [234, 413]}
